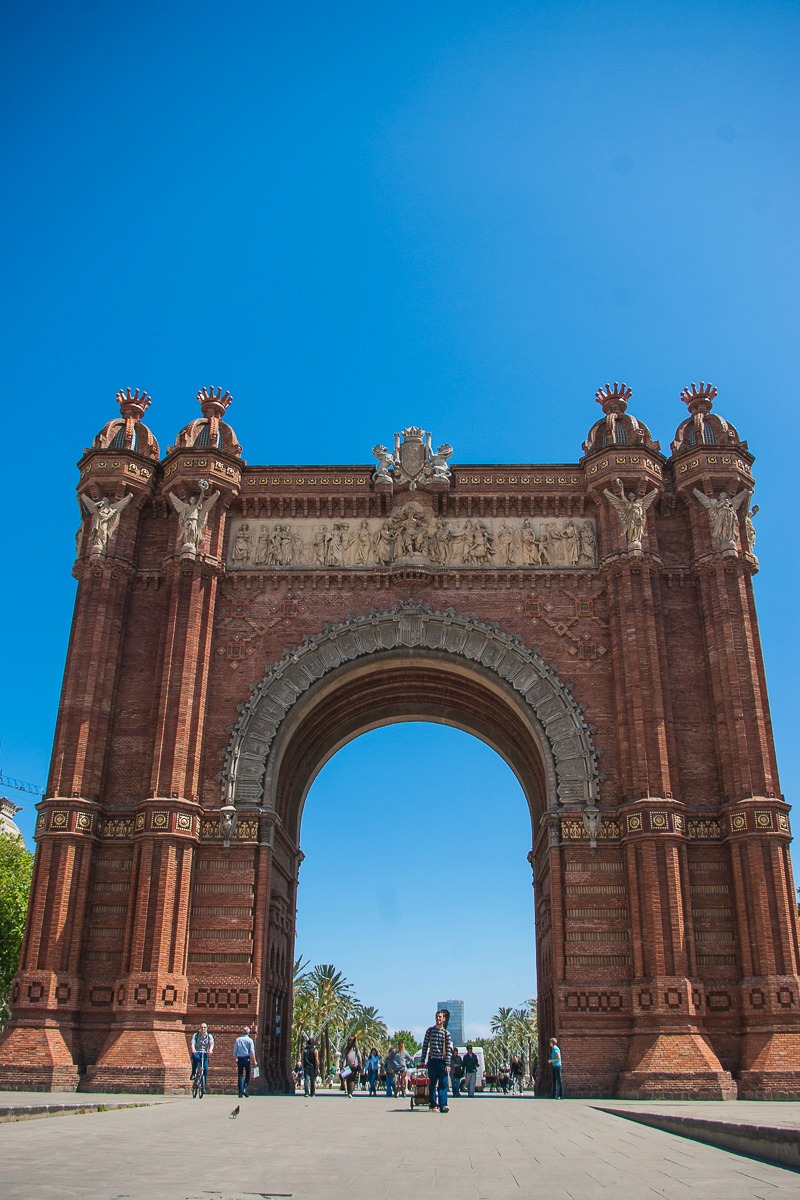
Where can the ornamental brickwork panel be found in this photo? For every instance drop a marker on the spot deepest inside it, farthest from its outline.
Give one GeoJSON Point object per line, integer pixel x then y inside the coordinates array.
{"type": "Point", "coordinates": [593, 621]}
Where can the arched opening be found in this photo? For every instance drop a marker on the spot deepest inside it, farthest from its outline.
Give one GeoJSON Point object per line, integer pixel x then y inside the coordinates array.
{"type": "Point", "coordinates": [415, 881]}
{"type": "Point", "coordinates": [409, 664]}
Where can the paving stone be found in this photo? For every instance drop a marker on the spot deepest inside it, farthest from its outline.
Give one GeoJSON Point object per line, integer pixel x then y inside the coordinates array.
{"type": "Point", "coordinates": [179, 1149]}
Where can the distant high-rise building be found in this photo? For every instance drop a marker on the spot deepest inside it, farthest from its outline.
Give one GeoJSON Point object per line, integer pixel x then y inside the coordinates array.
{"type": "Point", "coordinates": [456, 1023]}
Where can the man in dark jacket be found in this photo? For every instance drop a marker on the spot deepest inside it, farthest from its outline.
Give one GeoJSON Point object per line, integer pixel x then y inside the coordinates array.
{"type": "Point", "coordinates": [471, 1064]}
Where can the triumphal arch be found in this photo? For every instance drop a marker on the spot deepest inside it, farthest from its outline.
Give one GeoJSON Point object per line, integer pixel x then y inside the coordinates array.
{"type": "Point", "coordinates": [235, 625]}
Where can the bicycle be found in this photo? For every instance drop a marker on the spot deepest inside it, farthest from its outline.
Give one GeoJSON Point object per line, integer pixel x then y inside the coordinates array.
{"type": "Point", "coordinates": [200, 1081]}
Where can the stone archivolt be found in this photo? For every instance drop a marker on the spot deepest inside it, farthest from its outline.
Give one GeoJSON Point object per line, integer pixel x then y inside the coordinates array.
{"type": "Point", "coordinates": [564, 735]}
{"type": "Point", "coordinates": [415, 535]}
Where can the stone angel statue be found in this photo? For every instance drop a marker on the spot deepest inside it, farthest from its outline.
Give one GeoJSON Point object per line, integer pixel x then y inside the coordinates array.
{"type": "Point", "coordinates": [722, 516]}
{"type": "Point", "coordinates": [105, 516]}
{"type": "Point", "coordinates": [192, 516]}
{"type": "Point", "coordinates": [631, 512]}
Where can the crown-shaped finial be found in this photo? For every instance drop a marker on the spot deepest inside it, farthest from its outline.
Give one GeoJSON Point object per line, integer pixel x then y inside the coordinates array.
{"type": "Point", "coordinates": [699, 397]}
{"type": "Point", "coordinates": [614, 397]}
{"type": "Point", "coordinates": [132, 404]}
{"type": "Point", "coordinates": [213, 401]}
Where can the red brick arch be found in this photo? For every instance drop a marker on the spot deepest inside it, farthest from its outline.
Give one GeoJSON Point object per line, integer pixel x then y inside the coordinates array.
{"type": "Point", "coordinates": [410, 663]}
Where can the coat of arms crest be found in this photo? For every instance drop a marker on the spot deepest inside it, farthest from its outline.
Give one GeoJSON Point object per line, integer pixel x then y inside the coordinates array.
{"type": "Point", "coordinates": [413, 462]}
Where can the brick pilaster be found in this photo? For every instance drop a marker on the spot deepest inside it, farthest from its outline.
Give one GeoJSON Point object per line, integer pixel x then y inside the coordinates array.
{"type": "Point", "coordinates": [38, 1051]}
{"type": "Point", "coordinates": [757, 836]}
{"type": "Point", "coordinates": [146, 1048]}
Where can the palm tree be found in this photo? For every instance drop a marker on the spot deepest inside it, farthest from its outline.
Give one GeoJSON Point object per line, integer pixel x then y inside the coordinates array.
{"type": "Point", "coordinates": [323, 1005]}
{"type": "Point", "coordinates": [368, 1027]}
{"type": "Point", "coordinates": [503, 1023]}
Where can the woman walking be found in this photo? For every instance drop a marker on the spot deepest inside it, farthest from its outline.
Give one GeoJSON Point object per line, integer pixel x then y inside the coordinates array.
{"type": "Point", "coordinates": [373, 1066]}
{"type": "Point", "coordinates": [350, 1067]}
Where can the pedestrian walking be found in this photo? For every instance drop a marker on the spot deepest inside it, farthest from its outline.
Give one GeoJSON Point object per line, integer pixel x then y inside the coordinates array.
{"type": "Point", "coordinates": [456, 1072]}
{"type": "Point", "coordinates": [504, 1076]}
{"type": "Point", "coordinates": [350, 1065]}
{"type": "Point", "coordinates": [555, 1066]}
{"type": "Point", "coordinates": [401, 1079]}
{"type": "Point", "coordinates": [244, 1051]}
{"type": "Point", "coordinates": [373, 1065]}
{"type": "Point", "coordinates": [310, 1063]}
{"type": "Point", "coordinates": [437, 1050]}
{"type": "Point", "coordinates": [517, 1075]}
{"type": "Point", "coordinates": [471, 1064]}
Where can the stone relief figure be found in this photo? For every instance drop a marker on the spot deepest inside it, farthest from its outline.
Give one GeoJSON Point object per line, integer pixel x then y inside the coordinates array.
{"type": "Point", "coordinates": [383, 544]}
{"type": "Point", "coordinates": [241, 544]}
{"type": "Point", "coordinates": [588, 543]}
{"type": "Point", "coordinates": [631, 512]}
{"type": "Point", "coordinates": [382, 473]}
{"type": "Point", "coordinates": [750, 528]}
{"type": "Point", "coordinates": [262, 546]}
{"type": "Point", "coordinates": [543, 550]}
{"type": "Point", "coordinates": [722, 516]}
{"type": "Point", "coordinates": [192, 517]}
{"type": "Point", "coordinates": [555, 545]}
{"type": "Point", "coordinates": [571, 544]}
{"type": "Point", "coordinates": [440, 542]}
{"type": "Point", "coordinates": [479, 546]}
{"type": "Point", "coordinates": [320, 543]}
{"type": "Point", "coordinates": [530, 547]}
{"type": "Point", "coordinates": [358, 546]}
{"type": "Point", "coordinates": [335, 548]}
{"type": "Point", "coordinates": [228, 820]}
{"type": "Point", "coordinates": [105, 516]}
{"type": "Point", "coordinates": [505, 544]}
{"type": "Point", "coordinates": [593, 824]}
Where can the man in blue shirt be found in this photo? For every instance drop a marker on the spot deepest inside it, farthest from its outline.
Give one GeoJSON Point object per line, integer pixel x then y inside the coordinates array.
{"type": "Point", "coordinates": [244, 1052]}
{"type": "Point", "coordinates": [555, 1066]}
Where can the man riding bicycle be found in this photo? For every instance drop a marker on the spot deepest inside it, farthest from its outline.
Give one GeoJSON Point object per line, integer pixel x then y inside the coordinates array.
{"type": "Point", "coordinates": [202, 1047]}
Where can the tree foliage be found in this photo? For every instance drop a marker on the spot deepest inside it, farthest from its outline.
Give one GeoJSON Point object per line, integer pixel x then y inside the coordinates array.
{"type": "Point", "coordinates": [411, 1043]}
{"type": "Point", "coordinates": [326, 1008]}
{"type": "Point", "coordinates": [16, 867]}
{"type": "Point", "coordinates": [515, 1031]}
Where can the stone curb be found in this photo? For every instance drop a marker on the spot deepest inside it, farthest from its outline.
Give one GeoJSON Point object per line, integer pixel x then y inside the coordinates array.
{"type": "Point", "coordinates": [30, 1112]}
{"type": "Point", "coordinates": [781, 1147]}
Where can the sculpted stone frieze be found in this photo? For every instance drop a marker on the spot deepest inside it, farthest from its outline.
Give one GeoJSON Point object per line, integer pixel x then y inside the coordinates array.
{"type": "Point", "coordinates": [413, 534]}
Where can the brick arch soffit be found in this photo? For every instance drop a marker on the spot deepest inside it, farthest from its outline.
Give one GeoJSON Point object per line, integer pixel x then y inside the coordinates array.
{"type": "Point", "coordinates": [557, 722]}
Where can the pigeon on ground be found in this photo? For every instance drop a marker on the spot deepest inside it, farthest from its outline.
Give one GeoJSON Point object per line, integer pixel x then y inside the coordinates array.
{"type": "Point", "coordinates": [236, 1111]}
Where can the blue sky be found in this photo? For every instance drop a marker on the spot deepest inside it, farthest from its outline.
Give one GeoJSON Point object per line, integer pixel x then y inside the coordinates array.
{"type": "Point", "coordinates": [465, 216]}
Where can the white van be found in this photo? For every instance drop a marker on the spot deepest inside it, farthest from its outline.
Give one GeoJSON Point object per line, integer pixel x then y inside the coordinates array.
{"type": "Point", "coordinates": [462, 1050]}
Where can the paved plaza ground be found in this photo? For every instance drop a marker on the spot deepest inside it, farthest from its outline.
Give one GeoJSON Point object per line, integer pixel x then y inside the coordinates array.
{"type": "Point", "coordinates": [489, 1148]}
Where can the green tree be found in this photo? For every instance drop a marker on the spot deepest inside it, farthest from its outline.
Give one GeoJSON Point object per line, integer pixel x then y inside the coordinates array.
{"type": "Point", "coordinates": [515, 1032]}
{"type": "Point", "coordinates": [324, 1005]}
{"type": "Point", "coordinates": [366, 1025]}
{"type": "Point", "coordinates": [405, 1035]}
{"type": "Point", "coordinates": [16, 867]}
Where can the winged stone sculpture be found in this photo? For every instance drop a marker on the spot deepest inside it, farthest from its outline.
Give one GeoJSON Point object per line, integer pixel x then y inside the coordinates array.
{"type": "Point", "coordinates": [192, 516]}
{"type": "Point", "coordinates": [631, 512]}
{"type": "Point", "coordinates": [105, 516]}
{"type": "Point", "coordinates": [722, 516]}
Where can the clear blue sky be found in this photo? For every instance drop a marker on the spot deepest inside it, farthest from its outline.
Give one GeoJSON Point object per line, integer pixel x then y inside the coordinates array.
{"type": "Point", "coordinates": [465, 216]}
